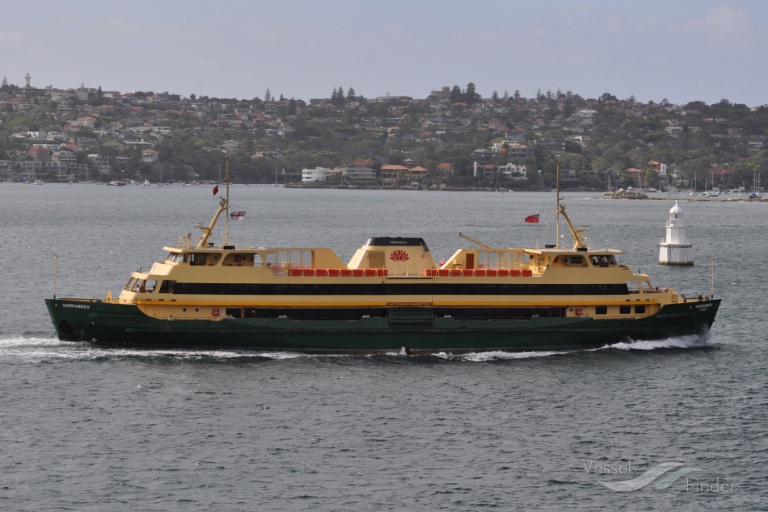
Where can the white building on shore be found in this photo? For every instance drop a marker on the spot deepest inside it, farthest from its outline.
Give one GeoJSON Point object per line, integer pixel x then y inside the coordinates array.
{"type": "Point", "coordinates": [313, 175]}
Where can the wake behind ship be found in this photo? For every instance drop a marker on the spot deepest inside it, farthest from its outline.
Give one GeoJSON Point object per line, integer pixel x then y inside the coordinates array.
{"type": "Point", "coordinates": [391, 296]}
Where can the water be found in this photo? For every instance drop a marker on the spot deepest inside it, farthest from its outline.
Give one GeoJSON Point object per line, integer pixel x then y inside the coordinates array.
{"type": "Point", "coordinates": [84, 428]}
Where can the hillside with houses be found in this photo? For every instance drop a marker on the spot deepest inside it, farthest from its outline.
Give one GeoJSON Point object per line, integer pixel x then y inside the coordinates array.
{"type": "Point", "coordinates": [451, 138]}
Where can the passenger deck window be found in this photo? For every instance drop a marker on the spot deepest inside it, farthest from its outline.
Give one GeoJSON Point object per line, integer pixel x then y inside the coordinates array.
{"type": "Point", "coordinates": [202, 259]}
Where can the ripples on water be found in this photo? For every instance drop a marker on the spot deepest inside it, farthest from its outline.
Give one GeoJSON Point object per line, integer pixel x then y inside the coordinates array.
{"type": "Point", "coordinates": [88, 428]}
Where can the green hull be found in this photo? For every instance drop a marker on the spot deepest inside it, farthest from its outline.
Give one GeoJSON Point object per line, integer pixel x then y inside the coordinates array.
{"type": "Point", "coordinates": [414, 329]}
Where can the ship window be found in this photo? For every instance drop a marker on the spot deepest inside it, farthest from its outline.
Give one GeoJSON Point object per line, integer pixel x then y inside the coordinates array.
{"type": "Point", "coordinates": [201, 258]}
{"type": "Point", "coordinates": [196, 259]}
{"type": "Point", "coordinates": [238, 260]}
{"type": "Point", "coordinates": [235, 312]}
{"type": "Point", "coordinates": [488, 260]}
{"type": "Point", "coordinates": [601, 310]}
{"type": "Point", "coordinates": [639, 309]}
{"type": "Point", "coordinates": [625, 310]}
{"type": "Point", "coordinates": [130, 285]}
{"type": "Point", "coordinates": [167, 286]}
{"type": "Point", "coordinates": [501, 259]}
{"type": "Point", "coordinates": [290, 259]}
{"type": "Point", "coordinates": [174, 257]}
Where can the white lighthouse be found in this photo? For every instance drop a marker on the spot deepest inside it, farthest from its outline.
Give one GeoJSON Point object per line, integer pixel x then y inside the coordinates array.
{"type": "Point", "coordinates": [675, 249]}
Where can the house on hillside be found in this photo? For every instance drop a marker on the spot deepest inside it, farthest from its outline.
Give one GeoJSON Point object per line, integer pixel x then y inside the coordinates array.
{"type": "Point", "coordinates": [359, 174]}
{"type": "Point", "coordinates": [444, 169]}
{"type": "Point", "coordinates": [513, 172]}
{"type": "Point", "coordinates": [392, 174]}
{"type": "Point", "coordinates": [718, 176]}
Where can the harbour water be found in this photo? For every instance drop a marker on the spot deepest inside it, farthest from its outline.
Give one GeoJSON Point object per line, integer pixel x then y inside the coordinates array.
{"type": "Point", "coordinates": [85, 428]}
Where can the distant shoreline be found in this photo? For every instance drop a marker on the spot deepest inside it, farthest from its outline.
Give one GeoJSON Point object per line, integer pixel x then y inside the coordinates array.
{"type": "Point", "coordinates": [678, 197]}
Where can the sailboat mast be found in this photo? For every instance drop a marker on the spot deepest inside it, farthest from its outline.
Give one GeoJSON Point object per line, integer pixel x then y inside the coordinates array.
{"type": "Point", "coordinates": [226, 209]}
{"type": "Point", "coordinates": [557, 206]}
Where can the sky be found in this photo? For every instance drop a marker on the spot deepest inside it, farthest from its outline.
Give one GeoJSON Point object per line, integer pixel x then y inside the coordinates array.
{"type": "Point", "coordinates": [679, 50]}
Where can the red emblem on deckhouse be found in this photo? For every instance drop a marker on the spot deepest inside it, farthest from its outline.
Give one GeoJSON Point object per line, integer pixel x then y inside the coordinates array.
{"type": "Point", "coordinates": [399, 255]}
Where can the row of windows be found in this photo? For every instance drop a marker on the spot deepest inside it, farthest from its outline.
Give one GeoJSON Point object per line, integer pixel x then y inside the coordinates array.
{"type": "Point", "coordinates": [395, 289]}
{"type": "Point", "coordinates": [623, 310]}
{"type": "Point", "coordinates": [288, 257]}
{"type": "Point", "coordinates": [358, 313]}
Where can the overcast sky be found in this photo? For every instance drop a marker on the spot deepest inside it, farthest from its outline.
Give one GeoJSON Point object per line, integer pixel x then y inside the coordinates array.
{"type": "Point", "coordinates": [681, 50]}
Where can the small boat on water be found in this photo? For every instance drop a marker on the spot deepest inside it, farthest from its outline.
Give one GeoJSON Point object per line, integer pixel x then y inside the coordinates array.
{"type": "Point", "coordinates": [392, 296]}
{"type": "Point", "coordinates": [38, 182]}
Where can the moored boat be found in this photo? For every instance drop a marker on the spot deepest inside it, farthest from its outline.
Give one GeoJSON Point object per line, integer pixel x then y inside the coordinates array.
{"type": "Point", "coordinates": [391, 295]}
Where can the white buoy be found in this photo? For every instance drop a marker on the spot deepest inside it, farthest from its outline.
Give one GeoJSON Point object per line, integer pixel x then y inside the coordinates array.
{"type": "Point", "coordinates": [675, 249]}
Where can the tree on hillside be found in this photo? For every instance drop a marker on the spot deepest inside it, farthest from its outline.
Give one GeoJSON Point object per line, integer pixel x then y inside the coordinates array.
{"type": "Point", "coordinates": [455, 94]}
{"type": "Point", "coordinates": [471, 95]}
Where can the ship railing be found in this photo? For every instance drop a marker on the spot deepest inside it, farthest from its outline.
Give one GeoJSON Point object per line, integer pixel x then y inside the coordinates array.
{"type": "Point", "coordinates": [480, 272]}
{"type": "Point", "coordinates": [337, 272]}
{"type": "Point", "coordinates": [185, 241]}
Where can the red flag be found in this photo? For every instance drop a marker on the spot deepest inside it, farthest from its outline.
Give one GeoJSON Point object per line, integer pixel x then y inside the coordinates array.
{"type": "Point", "coordinates": [215, 190]}
{"type": "Point", "coordinates": [532, 219]}
{"type": "Point", "coordinates": [237, 215]}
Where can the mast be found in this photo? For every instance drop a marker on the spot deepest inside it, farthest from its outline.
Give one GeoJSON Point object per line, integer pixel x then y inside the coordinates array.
{"type": "Point", "coordinates": [56, 277]}
{"type": "Point", "coordinates": [557, 206]}
{"type": "Point", "coordinates": [226, 209]}
{"type": "Point", "coordinates": [223, 207]}
{"type": "Point", "coordinates": [578, 239]}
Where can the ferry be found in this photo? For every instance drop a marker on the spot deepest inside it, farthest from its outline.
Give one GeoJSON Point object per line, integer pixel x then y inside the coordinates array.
{"type": "Point", "coordinates": [392, 296]}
